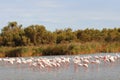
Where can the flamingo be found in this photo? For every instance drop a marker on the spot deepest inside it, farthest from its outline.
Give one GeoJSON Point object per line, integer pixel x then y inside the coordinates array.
{"type": "Point", "coordinates": [86, 61]}
{"type": "Point", "coordinates": [111, 59]}
{"type": "Point", "coordinates": [85, 65]}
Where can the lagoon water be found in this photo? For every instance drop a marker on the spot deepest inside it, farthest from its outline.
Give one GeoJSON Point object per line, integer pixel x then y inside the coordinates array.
{"type": "Point", "coordinates": [109, 71]}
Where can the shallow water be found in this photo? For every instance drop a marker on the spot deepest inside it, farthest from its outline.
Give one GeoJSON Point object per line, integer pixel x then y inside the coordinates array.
{"type": "Point", "coordinates": [108, 71]}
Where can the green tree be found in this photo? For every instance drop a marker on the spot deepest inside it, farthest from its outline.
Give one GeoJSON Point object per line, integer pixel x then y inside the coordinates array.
{"type": "Point", "coordinates": [39, 35]}
{"type": "Point", "coordinates": [12, 34]}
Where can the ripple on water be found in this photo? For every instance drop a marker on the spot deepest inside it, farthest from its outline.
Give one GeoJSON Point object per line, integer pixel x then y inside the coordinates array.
{"type": "Point", "coordinates": [93, 72]}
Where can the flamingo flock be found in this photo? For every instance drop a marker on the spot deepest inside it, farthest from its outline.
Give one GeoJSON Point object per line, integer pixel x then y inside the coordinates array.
{"type": "Point", "coordinates": [42, 63]}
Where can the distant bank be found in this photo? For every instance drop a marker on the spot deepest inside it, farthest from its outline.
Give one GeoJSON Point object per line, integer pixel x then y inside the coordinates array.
{"type": "Point", "coordinates": [35, 40]}
{"type": "Point", "coordinates": [60, 49]}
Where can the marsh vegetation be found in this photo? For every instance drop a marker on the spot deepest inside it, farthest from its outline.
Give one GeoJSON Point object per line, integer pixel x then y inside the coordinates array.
{"type": "Point", "coordinates": [35, 40]}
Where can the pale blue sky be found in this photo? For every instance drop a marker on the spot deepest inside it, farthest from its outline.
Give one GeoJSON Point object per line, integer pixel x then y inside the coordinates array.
{"type": "Point", "coordinates": [59, 14]}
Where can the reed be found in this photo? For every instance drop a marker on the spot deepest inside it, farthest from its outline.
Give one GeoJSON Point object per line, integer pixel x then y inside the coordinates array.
{"type": "Point", "coordinates": [60, 49]}
{"type": "Point", "coordinates": [37, 51]}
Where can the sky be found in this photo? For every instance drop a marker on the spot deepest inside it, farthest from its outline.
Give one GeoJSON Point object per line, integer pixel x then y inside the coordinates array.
{"type": "Point", "coordinates": [61, 14]}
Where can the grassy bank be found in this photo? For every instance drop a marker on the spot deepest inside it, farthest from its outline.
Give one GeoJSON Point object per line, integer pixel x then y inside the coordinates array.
{"type": "Point", "coordinates": [60, 49]}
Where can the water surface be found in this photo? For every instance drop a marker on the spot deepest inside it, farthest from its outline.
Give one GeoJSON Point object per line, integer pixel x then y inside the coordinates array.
{"type": "Point", "coordinates": [109, 71]}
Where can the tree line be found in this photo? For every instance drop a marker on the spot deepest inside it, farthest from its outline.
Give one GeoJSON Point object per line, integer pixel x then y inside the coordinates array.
{"type": "Point", "coordinates": [35, 35]}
